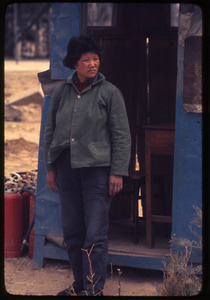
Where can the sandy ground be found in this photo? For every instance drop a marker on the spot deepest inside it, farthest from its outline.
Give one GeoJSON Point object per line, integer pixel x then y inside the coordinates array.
{"type": "Point", "coordinates": [21, 278]}
{"type": "Point", "coordinates": [22, 138]}
{"type": "Point", "coordinates": [21, 154]}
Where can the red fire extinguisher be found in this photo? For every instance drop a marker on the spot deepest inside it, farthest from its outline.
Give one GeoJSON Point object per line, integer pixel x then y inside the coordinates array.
{"type": "Point", "coordinates": [13, 225]}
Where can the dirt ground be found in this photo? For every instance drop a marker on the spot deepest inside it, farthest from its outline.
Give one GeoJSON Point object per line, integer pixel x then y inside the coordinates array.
{"type": "Point", "coordinates": [21, 154]}
{"type": "Point", "coordinates": [22, 279]}
{"type": "Point", "coordinates": [22, 138]}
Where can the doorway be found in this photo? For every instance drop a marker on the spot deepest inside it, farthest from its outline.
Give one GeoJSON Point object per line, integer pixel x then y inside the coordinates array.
{"type": "Point", "coordinates": [139, 56]}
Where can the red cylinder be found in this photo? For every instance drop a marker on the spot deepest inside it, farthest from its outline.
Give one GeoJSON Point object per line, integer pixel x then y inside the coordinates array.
{"type": "Point", "coordinates": [32, 235]}
{"type": "Point", "coordinates": [13, 225]}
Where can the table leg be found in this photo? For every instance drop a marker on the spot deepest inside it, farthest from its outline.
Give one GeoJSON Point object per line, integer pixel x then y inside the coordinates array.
{"type": "Point", "coordinates": [149, 233]}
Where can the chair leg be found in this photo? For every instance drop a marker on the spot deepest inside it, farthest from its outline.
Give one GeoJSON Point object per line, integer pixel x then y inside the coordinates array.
{"type": "Point", "coordinates": [135, 211]}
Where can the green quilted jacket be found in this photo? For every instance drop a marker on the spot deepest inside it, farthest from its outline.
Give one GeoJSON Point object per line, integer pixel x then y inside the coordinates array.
{"type": "Point", "coordinates": [93, 124]}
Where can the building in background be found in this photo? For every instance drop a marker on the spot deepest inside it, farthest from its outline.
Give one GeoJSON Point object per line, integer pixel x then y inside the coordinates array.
{"type": "Point", "coordinates": [28, 30]}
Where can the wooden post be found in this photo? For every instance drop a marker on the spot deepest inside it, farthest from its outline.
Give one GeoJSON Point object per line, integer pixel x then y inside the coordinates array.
{"type": "Point", "coordinates": [15, 31]}
{"type": "Point", "coordinates": [148, 190]}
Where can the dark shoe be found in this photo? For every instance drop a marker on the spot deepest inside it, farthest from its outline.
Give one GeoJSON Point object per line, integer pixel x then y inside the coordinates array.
{"type": "Point", "coordinates": [67, 292]}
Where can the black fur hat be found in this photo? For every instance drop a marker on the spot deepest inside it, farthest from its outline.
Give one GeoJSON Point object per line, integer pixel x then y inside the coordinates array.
{"type": "Point", "coordinates": [76, 47]}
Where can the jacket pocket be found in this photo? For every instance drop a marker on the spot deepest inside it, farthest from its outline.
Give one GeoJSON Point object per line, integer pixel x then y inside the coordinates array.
{"type": "Point", "coordinates": [100, 151]}
{"type": "Point", "coordinates": [99, 147]}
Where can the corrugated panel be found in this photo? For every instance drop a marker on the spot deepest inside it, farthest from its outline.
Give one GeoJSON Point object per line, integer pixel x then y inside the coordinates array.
{"type": "Point", "coordinates": [65, 24]}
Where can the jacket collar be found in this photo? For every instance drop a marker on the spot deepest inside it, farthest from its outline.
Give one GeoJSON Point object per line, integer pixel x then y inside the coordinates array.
{"type": "Point", "coordinates": [98, 78]}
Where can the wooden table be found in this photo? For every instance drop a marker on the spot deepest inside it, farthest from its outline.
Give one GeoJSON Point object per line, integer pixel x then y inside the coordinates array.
{"type": "Point", "coordinates": [159, 140]}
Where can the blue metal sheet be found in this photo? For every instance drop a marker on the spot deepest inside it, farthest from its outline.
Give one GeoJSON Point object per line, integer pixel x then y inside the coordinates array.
{"type": "Point", "coordinates": [66, 22]}
{"type": "Point", "coordinates": [187, 184]}
{"type": "Point", "coordinates": [51, 251]}
{"type": "Point", "coordinates": [143, 262]}
{"type": "Point", "coordinates": [48, 210]}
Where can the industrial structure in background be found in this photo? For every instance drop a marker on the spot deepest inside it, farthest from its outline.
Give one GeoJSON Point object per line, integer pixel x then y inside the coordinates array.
{"type": "Point", "coordinates": [28, 30]}
{"type": "Point", "coordinates": [28, 27]}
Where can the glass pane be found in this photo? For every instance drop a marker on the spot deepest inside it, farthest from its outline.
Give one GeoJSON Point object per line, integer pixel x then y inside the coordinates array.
{"type": "Point", "coordinates": [174, 14]}
{"type": "Point", "coordinates": [100, 14]}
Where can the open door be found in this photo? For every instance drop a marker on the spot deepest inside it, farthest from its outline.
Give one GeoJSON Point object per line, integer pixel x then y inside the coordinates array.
{"type": "Point", "coordinates": [139, 56]}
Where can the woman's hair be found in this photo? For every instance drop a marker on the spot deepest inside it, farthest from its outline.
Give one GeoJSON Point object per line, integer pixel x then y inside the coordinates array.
{"type": "Point", "coordinates": [77, 46]}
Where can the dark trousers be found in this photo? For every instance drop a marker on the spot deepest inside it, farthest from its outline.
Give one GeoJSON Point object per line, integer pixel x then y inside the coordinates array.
{"type": "Point", "coordinates": [85, 203]}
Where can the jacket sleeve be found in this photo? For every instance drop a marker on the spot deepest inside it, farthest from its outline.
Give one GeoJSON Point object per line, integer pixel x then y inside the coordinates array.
{"type": "Point", "coordinates": [50, 127]}
{"type": "Point", "coordinates": [120, 135]}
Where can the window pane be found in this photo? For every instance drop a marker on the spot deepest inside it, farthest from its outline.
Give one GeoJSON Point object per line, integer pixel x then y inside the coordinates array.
{"type": "Point", "coordinates": [174, 14]}
{"type": "Point", "coordinates": [100, 14]}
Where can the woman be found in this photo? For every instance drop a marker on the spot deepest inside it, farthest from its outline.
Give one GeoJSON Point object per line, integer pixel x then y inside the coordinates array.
{"type": "Point", "coordinates": [87, 153]}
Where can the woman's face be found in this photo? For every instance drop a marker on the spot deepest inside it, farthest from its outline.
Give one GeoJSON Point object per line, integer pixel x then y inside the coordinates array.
{"type": "Point", "coordinates": [87, 66]}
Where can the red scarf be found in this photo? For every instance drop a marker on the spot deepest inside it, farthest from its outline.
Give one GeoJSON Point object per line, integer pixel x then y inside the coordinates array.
{"type": "Point", "coordinates": [81, 85]}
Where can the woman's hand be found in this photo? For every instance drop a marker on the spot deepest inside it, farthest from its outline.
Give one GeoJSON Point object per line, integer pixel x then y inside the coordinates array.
{"type": "Point", "coordinates": [51, 180]}
{"type": "Point", "coordinates": [115, 184]}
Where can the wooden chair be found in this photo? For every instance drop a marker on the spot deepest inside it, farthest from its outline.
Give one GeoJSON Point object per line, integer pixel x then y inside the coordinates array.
{"type": "Point", "coordinates": [131, 186]}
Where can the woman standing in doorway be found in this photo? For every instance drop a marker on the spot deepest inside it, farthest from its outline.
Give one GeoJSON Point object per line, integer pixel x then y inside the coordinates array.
{"type": "Point", "coordinates": [87, 152]}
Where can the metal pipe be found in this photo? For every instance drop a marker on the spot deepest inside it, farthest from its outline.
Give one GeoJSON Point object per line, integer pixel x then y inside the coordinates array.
{"type": "Point", "coordinates": [26, 238]}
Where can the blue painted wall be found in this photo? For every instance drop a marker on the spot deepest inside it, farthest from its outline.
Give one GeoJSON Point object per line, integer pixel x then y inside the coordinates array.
{"type": "Point", "coordinates": [187, 184]}
{"type": "Point", "coordinates": [48, 209]}
{"type": "Point", "coordinates": [66, 22]}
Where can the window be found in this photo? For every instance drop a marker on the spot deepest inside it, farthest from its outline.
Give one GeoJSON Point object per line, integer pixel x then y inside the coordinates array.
{"type": "Point", "coordinates": [100, 14]}
{"type": "Point", "coordinates": [174, 14]}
